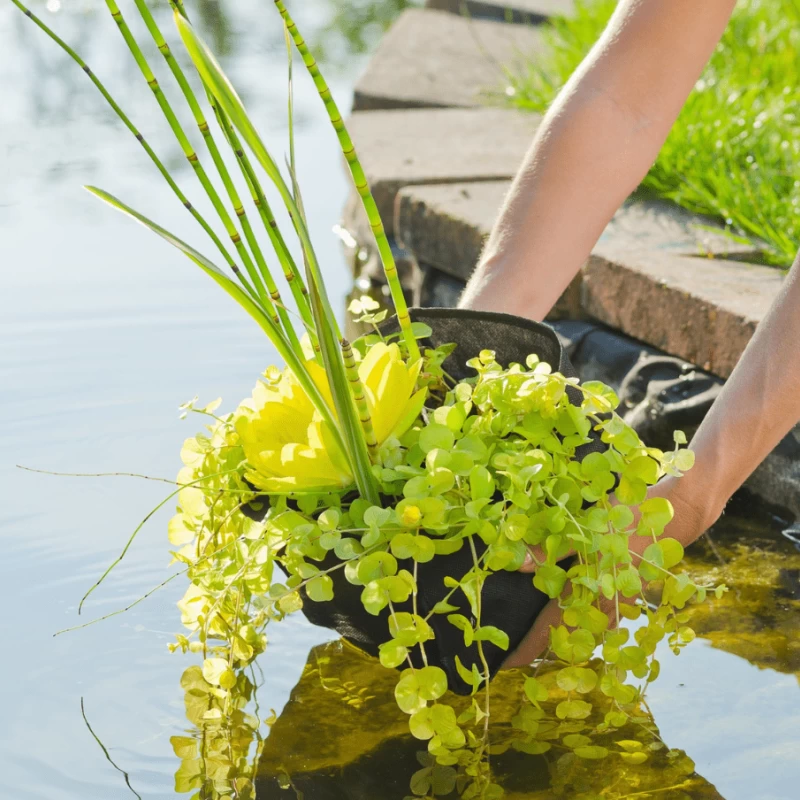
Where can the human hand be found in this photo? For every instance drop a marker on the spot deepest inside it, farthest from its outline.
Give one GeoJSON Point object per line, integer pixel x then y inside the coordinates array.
{"type": "Point", "coordinates": [689, 523]}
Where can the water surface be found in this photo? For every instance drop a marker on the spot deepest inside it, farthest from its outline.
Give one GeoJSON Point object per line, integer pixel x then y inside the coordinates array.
{"type": "Point", "coordinates": [104, 331]}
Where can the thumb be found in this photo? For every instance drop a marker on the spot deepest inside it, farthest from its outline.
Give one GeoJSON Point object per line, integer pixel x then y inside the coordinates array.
{"type": "Point", "coordinates": [534, 558]}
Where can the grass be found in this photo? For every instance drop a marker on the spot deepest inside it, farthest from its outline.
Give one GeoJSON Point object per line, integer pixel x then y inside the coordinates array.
{"type": "Point", "coordinates": [734, 152]}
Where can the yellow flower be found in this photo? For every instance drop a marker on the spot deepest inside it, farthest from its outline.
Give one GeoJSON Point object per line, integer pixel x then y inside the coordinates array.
{"type": "Point", "coordinates": [389, 385]}
{"type": "Point", "coordinates": [288, 445]}
{"type": "Point", "coordinates": [411, 516]}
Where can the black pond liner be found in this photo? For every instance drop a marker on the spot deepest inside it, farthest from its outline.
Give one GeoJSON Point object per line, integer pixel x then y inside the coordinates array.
{"type": "Point", "coordinates": [510, 601]}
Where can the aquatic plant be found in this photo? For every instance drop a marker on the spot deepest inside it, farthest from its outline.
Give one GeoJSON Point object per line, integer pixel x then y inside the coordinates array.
{"type": "Point", "coordinates": [734, 150]}
{"type": "Point", "coordinates": [357, 464]}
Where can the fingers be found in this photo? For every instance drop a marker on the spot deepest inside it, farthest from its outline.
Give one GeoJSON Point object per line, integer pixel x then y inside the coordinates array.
{"type": "Point", "coordinates": [533, 558]}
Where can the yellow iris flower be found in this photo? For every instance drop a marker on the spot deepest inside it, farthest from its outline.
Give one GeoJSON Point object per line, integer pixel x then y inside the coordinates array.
{"type": "Point", "coordinates": [290, 448]}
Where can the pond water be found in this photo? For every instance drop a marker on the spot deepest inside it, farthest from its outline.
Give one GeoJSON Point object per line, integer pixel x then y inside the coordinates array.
{"type": "Point", "coordinates": [104, 331]}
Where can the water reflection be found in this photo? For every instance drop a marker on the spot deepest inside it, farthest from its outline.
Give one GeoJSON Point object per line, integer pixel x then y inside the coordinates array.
{"type": "Point", "coordinates": [336, 740]}
{"type": "Point", "coordinates": [342, 737]}
{"type": "Point", "coordinates": [103, 332]}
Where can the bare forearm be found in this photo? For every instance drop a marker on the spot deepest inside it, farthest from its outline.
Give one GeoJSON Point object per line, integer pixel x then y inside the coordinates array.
{"type": "Point", "coordinates": [593, 148]}
{"type": "Point", "coordinates": [570, 185]}
{"type": "Point", "coordinates": [758, 406]}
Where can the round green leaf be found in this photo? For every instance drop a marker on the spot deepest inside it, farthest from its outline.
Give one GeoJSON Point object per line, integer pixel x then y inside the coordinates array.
{"type": "Point", "coordinates": [628, 582]}
{"type": "Point", "coordinates": [375, 566]}
{"type": "Point", "coordinates": [432, 682]}
{"type": "Point", "coordinates": [392, 654]}
{"type": "Point", "coordinates": [436, 435]}
{"type": "Point", "coordinates": [591, 752]}
{"type": "Point", "coordinates": [320, 589]}
{"type": "Point", "coordinates": [550, 579]}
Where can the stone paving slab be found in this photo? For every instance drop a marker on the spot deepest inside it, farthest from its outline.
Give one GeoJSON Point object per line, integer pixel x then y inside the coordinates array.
{"type": "Point", "coordinates": [433, 59]}
{"type": "Point", "coordinates": [446, 226]}
{"type": "Point", "coordinates": [530, 11]}
{"type": "Point", "coordinates": [653, 274]}
{"type": "Point", "coordinates": [439, 146]}
{"type": "Point", "coordinates": [703, 310]}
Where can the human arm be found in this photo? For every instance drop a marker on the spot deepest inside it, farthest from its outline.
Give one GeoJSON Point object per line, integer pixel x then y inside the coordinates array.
{"type": "Point", "coordinates": [593, 148]}
{"type": "Point", "coordinates": [757, 407]}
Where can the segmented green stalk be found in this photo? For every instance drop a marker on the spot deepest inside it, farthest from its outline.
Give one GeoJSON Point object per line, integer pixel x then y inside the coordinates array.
{"type": "Point", "coordinates": [360, 180]}
{"type": "Point", "coordinates": [290, 272]}
{"type": "Point", "coordinates": [357, 390]}
{"type": "Point", "coordinates": [139, 138]}
{"type": "Point", "coordinates": [189, 152]}
{"type": "Point", "coordinates": [230, 188]}
{"type": "Point", "coordinates": [324, 317]}
{"type": "Point", "coordinates": [288, 266]}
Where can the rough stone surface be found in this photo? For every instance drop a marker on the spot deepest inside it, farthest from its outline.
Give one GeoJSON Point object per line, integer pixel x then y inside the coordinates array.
{"type": "Point", "coordinates": [446, 225]}
{"type": "Point", "coordinates": [434, 146]}
{"type": "Point", "coordinates": [531, 11]}
{"type": "Point", "coordinates": [435, 59]}
{"type": "Point", "coordinates": [703, 311]}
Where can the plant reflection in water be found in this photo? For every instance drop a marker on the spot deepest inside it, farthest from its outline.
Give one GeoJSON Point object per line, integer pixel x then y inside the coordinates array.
{"type": "Point", "coordinates": [341, 734]}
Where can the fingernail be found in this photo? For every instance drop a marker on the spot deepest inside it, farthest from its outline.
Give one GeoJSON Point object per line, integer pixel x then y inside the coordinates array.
{"type": "Point", "coordinates": [528, 559]}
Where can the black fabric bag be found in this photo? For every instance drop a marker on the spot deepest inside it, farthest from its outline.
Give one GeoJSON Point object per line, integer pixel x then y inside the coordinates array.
{"type": "Point", "coordinates": [510, 602]}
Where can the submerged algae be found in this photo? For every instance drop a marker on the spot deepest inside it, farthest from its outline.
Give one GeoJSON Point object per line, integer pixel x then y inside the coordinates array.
{"type": "Point", "coordinates": [759, 618]}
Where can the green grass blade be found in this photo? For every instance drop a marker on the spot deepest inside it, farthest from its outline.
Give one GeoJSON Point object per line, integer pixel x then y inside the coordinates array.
{"type": "Point", "coordinates": [290, 272]}
{"type": "Point", "coordinates": [343, 400]}
{"type": "Point", "coordinates": [324, 318]}
{"type": "Point", "coordinates": [293, 358]}
{"type": "Point", "coordinates": [222, 89]}
{"type": "Point", "coordinates": [360, 181]}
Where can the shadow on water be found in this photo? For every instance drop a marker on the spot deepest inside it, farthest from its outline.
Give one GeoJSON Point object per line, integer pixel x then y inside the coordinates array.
{"type": "Point", "coordinates": [341, 736]}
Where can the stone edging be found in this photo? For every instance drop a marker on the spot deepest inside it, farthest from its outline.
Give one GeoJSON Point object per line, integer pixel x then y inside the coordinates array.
{"type": "Point", "coordinates": [440, 163]}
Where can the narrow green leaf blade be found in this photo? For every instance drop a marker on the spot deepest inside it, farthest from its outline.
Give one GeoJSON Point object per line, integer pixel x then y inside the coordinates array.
{"type": "Point", "coordinates": [293, 359]}
{"type": "Point", "coordinates": [352, 430]}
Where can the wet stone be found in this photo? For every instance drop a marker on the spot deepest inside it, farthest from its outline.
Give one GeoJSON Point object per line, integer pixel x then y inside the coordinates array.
{"type": "Point", "coordinates": [525, 11]}
{"type": "Point", "coordinates": [435, 59]}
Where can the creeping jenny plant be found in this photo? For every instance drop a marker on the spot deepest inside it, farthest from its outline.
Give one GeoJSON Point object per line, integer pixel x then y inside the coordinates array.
{"type": "Point", "coordinates": [367, 460]}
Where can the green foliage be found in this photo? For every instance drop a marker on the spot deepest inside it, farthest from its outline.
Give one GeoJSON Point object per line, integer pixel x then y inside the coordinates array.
{"type": "Point", "coordinates": [734, 151]}
{"type": "Point", "coordinates": [492, 459]}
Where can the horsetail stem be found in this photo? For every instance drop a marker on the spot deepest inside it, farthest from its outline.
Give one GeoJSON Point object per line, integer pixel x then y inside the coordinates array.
{"type": "Point", "coordinates": [357, 390]}
{"type": "Point", "coordinates": [230, 187]}
{"type": "Point", "coordinates": [361, 183]}
{"type": "Point", "coordinates": [139, 138]}
{"type": "Point", "coordinates": [290, 272]}
{"type": "Point", "coordinates": [192, 157]}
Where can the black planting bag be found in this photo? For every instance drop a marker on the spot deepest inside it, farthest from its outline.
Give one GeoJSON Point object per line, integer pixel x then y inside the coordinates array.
{"type": "Point", "coordinates": [510, 602]}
